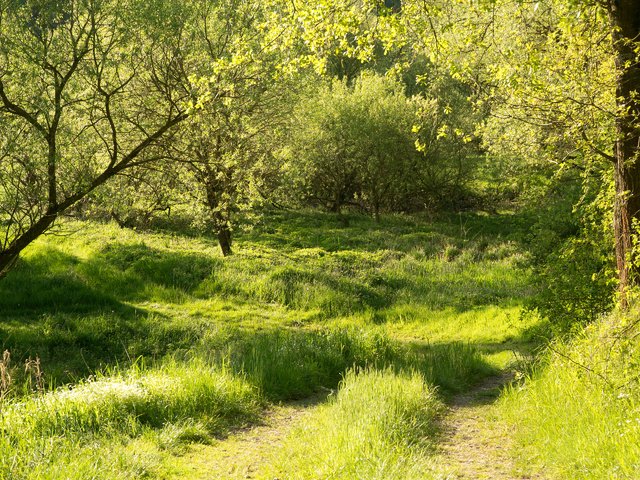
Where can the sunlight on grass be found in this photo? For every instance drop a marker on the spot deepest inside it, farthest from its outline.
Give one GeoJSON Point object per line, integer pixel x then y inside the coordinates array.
{"type": "Point", "coordinates": [304, 300]}
{"type": "Point", "coordinates": [578, 416]}
{"type": "Point", "coordinates": [378, 426]}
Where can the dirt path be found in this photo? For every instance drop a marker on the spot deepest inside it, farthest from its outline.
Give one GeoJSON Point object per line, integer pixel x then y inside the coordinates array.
{"type": "Point", "coordinates": [242, 454]}
{"type": "Point", "coordinates": [476, 443]}
{"type": "Point", "coordinates": [474, 446]}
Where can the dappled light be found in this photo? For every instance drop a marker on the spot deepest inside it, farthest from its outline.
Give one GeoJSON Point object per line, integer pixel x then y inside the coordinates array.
{"type": "Point", "coordinates": [283, 239]}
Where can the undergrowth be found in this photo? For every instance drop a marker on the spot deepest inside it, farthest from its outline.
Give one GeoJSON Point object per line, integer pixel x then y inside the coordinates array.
{"type": "Point", "coordinates": [578, 415]}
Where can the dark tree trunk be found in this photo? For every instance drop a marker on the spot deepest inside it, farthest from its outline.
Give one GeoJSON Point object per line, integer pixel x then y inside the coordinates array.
{"type": "Point", "coordinates": [9, 256]}
{"type": "Point", "coordinates": [625, 22]}
{"type": "Point", "coordinates": [224, 238]}
{"type": "Point", "coordinates": [220, 220]}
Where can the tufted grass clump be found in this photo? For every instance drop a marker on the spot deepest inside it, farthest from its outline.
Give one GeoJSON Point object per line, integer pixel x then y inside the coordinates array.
{"type": "Point", "coordinates": [120, 408]}
{"type": "Point", "coordinates": [292, 364]}
{"type": "Point", "coordinates": [380, 425]}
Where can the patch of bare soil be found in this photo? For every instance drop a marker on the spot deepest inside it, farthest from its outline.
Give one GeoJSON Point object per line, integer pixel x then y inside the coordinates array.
{"type": "Point", "coordinates": [242, 454]}
{"type": "Point", "coordinates": [477, 443]}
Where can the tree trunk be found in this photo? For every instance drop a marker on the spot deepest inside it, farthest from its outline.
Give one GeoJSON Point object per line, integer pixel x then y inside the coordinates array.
{"type": "Point", "coordinates": [625, 22]}
{"type": "Point", "coordinates": [9, 256]}
{"type": "Point", "coordinates": [224, 238]}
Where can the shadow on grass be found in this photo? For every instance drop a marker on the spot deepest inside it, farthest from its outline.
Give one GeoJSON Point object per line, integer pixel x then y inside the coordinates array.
{"type": "Point", "coordinates": [72, 346]}
{"type": "Point", "coordinates": [56, 282]}
{"type": "Point", "coordinates": [140, 272]}
{"type": "Point", "coordinates": [289, 230]}
{"type": "Point", "coordinates": [51, 282]}
{"type": "Point", "coordinates": [292, 230]}
{"type": "Point", "coordinates": [73, 316]}
{"type": "Point", "coordinates": [293, 364]}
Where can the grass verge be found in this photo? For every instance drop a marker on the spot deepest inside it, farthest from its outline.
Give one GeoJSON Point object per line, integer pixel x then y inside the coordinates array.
{"type": "Point", "coordinates": [378, 426]}
{"type": "Point", "coordinates": [578, 415]}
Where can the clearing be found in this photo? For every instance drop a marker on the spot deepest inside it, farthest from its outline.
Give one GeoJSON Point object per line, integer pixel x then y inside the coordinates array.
{"type": "Point", "coordinates": [304, 299]}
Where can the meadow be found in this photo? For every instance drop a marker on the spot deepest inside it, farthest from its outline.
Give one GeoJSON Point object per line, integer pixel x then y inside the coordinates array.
{"type": "Point", "coordinates": [140, 346]}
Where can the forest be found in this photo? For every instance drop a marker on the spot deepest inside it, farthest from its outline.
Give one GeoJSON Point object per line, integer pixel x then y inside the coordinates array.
{"type": "Point", "coordinates": [358, 239]}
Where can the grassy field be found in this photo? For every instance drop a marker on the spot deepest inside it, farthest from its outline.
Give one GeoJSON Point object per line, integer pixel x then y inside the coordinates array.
{"type": "Point", "coordinates": [149, 342]}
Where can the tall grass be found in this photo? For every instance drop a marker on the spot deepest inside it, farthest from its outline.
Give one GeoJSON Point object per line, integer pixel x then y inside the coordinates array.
{"type": "Point", "coordinates": [288, 364]}
{"type": "Point", "coordinates": [224, 385]}
{"type": "Point", "coordinates": [120, 407]}
{"type": "Point", "coordinates": [304, 300]}
{"type": "Point", "coordinates": [105, 294]}
{"type": "Point", "coordinates": [379, 426]}
{"type": "Point", "coordinates": [578, 416]}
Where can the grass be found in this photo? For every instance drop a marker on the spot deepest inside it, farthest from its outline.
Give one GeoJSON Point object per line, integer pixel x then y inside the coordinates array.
{"type": "Point", "coordinates": [41, 434]}
{"type": "Point", "coordinates": [378, 426]}
{"type": "Point", "coordinates": [578, 414]}
{"type": "Point", "coordinates": [102, 295]}
{"type": "Point", "coordinates": [304, 300]}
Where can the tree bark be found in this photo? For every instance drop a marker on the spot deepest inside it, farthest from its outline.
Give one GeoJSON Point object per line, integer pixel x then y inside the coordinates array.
{"type": "Point", "coordinates": [224, 238]}
{"type": "Point", "coordinates": [9, 256]}
{"type": "Point", "coordinates": [625, 22]}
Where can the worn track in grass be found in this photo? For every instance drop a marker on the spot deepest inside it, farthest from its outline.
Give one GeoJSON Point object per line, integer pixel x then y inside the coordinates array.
{"type": "Point", "coordinates": [242, 454]}
{"type": "Point", "coordinates": [476, 442]}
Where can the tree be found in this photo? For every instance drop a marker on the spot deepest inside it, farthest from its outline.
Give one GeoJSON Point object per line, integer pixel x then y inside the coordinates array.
{"type": "Point", "coordinates": [322, 158]}
{"type": "Point", "coordinates": [221, 150]}
{"type": "Point", "coordinates": [582, 96]}
{"type": "Point", "coordinates": [354, 144]}
{"type": "Point", "coordinates": [624, 17]}
{"type": "Point", "coordinates": [86, 88]}
{"type": "Point", "coordinates": [566, 74]}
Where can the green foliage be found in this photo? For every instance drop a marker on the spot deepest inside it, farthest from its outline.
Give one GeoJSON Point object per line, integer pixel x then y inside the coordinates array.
{"type": "Point", "coordinates": [372, 146]}
{"type": "Point", "coordinates": [352, 143]}
{"type": "Point", "coordinates": [571, 254]}
{"type": "Point", "coordinates": [133, 200]}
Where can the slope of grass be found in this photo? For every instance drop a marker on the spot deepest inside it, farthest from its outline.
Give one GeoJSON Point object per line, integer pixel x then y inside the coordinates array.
{"type": "Point", "coordinates": [304, 300]}
{"type": "Point", "coordinates": [578, 415]}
